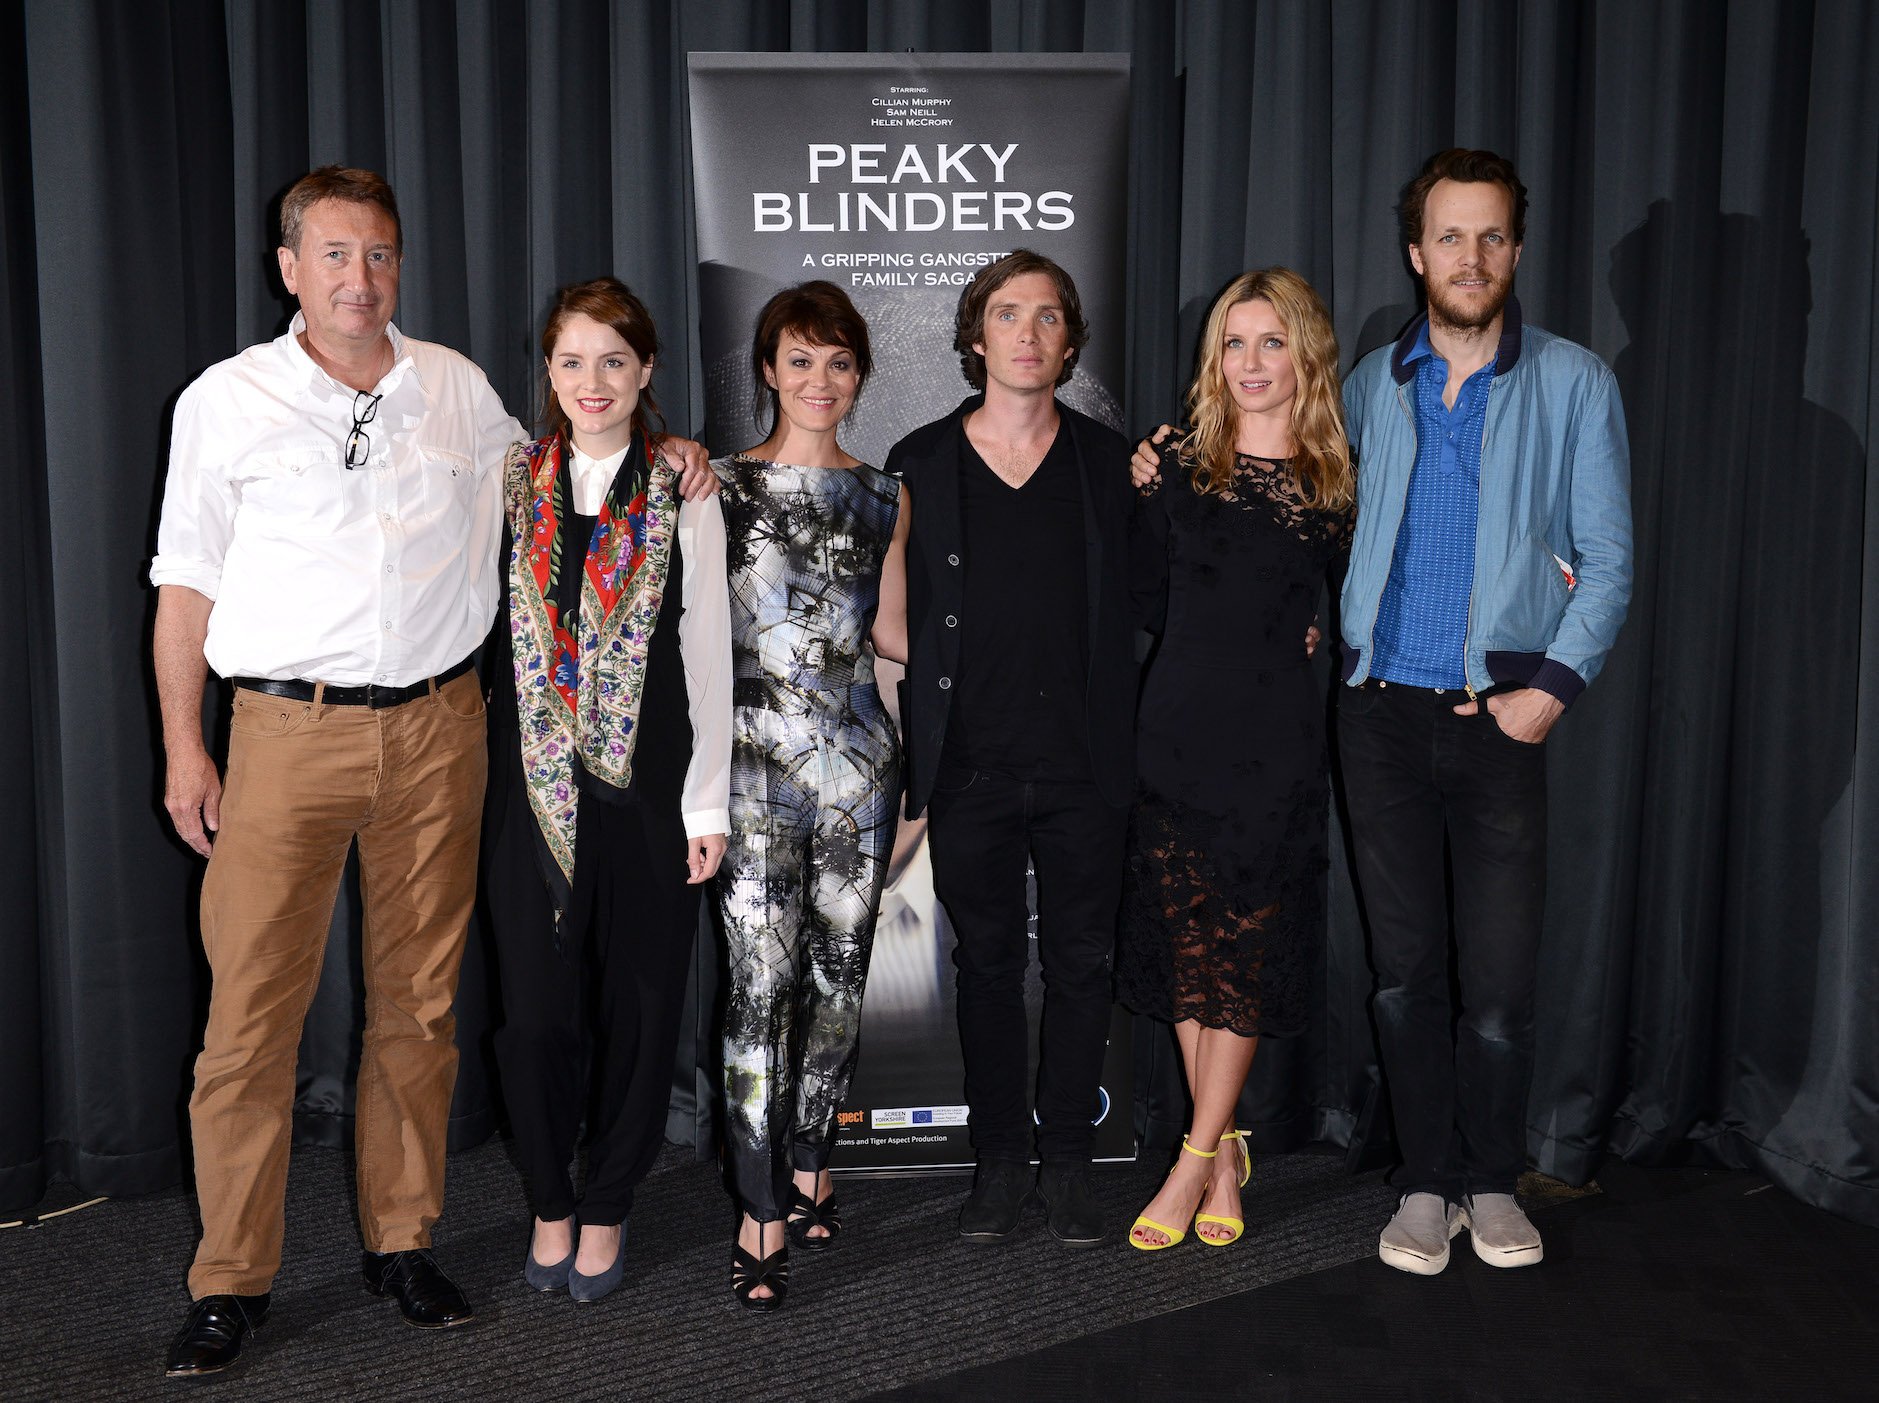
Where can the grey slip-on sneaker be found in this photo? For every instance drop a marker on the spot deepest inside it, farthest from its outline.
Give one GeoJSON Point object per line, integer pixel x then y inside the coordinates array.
{"type": "Point", "coordinates": [1416, 1239]}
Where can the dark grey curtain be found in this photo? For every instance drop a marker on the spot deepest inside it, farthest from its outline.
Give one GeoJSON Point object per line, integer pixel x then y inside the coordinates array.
{"type": "Point", "coordinates": [1704, 181]}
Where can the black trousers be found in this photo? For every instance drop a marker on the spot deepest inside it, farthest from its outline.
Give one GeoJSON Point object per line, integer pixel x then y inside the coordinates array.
{"type": "Point", "coordinates": [591, 1030]}
{"type": "Point", "coordinates": [1414, 771]}
{"type": "Point", "coordinates": [984, 827]}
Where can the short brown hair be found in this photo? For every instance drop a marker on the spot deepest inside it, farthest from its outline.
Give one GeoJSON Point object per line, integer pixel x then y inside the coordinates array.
{"type": "Point", "coordinates": [335, 183]}
{"type": "Point", "coordinates": [821, 314]}
{"type": "Point", "coordinates": [358, 187]}
{"type": "Point", "coordinates": [1468, 167]}
{"type": "Point", "coordinates": [611, 303]}
{"type": "Point", "coordinates": [970, 324]}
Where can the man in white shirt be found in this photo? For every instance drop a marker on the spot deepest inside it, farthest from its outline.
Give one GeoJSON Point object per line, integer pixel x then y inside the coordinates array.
{"type": "Point", "coordinates": [328, 543]}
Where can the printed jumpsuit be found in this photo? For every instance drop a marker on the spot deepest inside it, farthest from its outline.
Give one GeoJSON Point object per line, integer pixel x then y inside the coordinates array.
{"type": "Point", "coordinates": [815, 785]}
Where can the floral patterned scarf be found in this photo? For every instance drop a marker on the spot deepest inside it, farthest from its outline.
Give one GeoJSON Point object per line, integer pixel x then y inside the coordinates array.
{"type": "Point", "coordinates": [578, 693]}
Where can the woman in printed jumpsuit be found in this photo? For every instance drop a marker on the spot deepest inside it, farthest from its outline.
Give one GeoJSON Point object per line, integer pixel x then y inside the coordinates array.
{"type": "Point", "coordinates": [816, 562]}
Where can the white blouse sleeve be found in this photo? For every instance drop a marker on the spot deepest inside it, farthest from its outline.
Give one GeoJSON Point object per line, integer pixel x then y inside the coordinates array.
{"type": "Point", "coordinates": [705, 643]}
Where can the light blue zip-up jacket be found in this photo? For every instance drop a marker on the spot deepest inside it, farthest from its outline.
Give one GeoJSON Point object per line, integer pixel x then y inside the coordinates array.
{"type": "Point", "coordinates": [1552, 568]}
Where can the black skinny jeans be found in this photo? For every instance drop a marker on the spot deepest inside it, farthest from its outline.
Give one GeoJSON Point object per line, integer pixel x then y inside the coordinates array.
{"type": "Point", "coordinates": [984, 827]}
{"type": "Point", "coordinates": [1413, 770]}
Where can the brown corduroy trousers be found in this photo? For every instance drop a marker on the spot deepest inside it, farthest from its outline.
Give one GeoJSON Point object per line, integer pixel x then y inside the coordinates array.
{"type": "Point", "coordinates": [304, 780]}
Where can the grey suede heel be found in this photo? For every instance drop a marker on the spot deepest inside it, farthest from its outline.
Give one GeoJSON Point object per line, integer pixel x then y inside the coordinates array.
{"type": "Point", "coordinates": [591, 1288]}
{"type": "Point", "coordinates": [549, 1278]}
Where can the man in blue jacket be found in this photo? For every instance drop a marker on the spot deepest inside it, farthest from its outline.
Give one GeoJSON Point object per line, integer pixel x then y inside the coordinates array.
{"type": "Point", "coordinates": [1489, 576]}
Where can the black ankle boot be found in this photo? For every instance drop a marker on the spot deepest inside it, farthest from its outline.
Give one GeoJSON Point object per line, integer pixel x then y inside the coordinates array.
{"type": "Point", "coordinates": [1071, 1211]}
{"type": "Point", "coordinates": [996, 1203]}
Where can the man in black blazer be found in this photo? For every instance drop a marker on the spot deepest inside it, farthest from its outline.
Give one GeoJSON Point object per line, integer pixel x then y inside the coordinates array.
{"type": "Point", "coordinates": [1018, 716]}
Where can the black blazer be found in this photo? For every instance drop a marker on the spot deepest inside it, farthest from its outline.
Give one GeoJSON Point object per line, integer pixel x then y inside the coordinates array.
{"type": "Point", "coordinates": [928, 462]}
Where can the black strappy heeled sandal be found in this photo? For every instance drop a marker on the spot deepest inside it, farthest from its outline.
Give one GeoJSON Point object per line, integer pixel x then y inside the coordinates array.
{"type": "Point", "coordinates": [748, 1272]}
{"type": "Point", "coordinates": [805, 1213]}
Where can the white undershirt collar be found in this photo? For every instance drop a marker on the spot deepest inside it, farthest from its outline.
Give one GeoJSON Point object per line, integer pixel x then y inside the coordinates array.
{"type": "Point", "coordinates": [592, 477]}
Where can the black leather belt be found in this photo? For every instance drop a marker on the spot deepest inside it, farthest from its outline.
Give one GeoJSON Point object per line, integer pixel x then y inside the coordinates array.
{"type": "Point", "coordinates": [372, 695]}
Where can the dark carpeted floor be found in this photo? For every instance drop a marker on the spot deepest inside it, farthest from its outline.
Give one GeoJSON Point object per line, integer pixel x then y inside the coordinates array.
{"type": "Point", "coordinates": [1670, 1284]}
{"type": "Point", "coordinates": [91, 1298]}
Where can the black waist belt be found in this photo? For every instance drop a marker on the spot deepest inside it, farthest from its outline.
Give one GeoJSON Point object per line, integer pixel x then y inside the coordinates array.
{"type": "Point", "coordinates": [769, 695]}
{"type": "Point", "coordinates": [372, 695]}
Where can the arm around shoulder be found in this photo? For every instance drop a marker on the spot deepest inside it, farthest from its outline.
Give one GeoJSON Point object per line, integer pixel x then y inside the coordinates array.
{"type": "Point", "coordinates": [1148, 543]}
{"type": "Point", "coordinates": [705, 645]}
{"type": "Point", "coordinates": [890, 616]}
{"type": "Point", "coordinates": [897, 461]}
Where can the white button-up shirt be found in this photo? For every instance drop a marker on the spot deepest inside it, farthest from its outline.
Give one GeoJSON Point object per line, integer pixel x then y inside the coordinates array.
{"type": "Point", "coordinates": [381, 573]}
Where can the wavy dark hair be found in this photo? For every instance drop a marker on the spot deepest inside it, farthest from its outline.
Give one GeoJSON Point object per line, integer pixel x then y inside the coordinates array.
{"type": "Point", "coordinates": [612, 303]}
{"type": "Point", "coordinates": [819, 313]}
{"type": "Point", "coordinates": [969, 325]}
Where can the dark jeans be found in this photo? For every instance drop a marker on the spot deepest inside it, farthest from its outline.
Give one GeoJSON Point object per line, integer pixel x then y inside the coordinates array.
{"type": "Point", "coordinates": [1414, 770]}
{"type": "Point", "coordinates": [984, 826]}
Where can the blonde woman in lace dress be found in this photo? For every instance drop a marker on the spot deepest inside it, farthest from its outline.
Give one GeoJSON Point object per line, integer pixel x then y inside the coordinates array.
{"type": "Point", "coordinates": [1223, 900]}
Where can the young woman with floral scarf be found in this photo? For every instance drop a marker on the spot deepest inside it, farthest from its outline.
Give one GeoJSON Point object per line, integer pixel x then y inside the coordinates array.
{"type": "Point", "coordinates": [610, 733]}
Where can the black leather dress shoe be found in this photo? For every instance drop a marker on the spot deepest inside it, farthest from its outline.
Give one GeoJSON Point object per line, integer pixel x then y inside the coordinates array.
{"type": "Point", "coordinates": [426, 1297]}
{"type": "Point", "coordinates": [1071, 1211]}
{"type": "Point", "coordinates": [212, 1335]}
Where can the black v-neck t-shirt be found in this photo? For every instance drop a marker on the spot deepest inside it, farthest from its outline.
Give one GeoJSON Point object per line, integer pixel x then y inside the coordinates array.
{"type": "Point", "coordinates": [1024, 644]}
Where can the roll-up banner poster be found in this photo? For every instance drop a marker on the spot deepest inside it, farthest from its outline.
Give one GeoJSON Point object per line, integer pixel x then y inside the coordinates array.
{"type": "Point", "coordinates": [896, 177]}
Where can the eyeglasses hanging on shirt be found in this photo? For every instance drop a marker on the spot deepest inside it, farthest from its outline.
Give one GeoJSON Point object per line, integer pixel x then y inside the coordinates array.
{"type": "Point", "coordinates": [359, 442]}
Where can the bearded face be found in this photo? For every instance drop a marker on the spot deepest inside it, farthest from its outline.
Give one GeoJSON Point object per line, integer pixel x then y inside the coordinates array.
{"type": "Point", "coordinates": [1467, 255]}
{"type": "Point", "coordinates": [1468, 301]}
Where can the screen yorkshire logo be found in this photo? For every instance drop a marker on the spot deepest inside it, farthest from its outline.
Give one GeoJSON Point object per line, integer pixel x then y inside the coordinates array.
{"type": "Point", "coordinates": [985, 204]}
{"type": "Point", "coordinates": [920, 1117]}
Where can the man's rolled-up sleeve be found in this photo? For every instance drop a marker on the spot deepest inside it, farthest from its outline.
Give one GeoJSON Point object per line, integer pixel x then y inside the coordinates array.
{"type": "Point", "coordinates": [199, 503]}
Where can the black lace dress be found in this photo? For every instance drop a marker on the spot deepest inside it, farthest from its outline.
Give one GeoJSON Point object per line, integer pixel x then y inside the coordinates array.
{"type": "Point", "coordinates": [1224, 897]}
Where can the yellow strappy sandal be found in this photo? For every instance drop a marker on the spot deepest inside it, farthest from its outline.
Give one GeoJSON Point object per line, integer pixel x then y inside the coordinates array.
{"type": "Point", "coordinates": [1246, 1155]}
{"type": "Point", "coordinates": [1237, 1226]}
{"type": "Point", "coordinates": [1174, 1234]}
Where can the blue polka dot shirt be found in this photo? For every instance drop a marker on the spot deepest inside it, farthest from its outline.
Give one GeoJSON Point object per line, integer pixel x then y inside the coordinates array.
{"type": "Point", "coordinates": [1422, 620]}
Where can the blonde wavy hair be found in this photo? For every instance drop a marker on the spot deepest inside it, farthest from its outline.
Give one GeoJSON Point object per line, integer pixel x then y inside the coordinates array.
{"type": "Point", "coordinates": [1321, 454]}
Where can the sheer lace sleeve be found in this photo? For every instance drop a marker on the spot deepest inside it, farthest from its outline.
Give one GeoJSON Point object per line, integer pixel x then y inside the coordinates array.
{"type": "Point", "coordinates": [1148, 548]}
